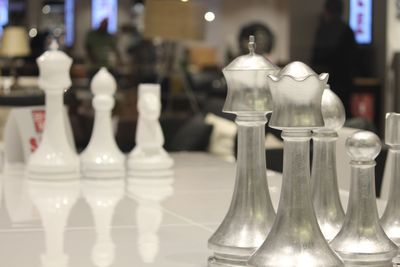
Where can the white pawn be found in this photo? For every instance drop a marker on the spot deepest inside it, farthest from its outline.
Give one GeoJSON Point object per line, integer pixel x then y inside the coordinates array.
{"type": "Point", "coordinates": [149, 153]}
{"type": "Point", "coordinates": [55, 154]}
{"type": "Point", "coordinates": [102, 153]}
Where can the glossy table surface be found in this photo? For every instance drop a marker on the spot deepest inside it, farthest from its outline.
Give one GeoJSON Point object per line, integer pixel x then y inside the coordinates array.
{"type": "Point", "coordinates": [133, 221]}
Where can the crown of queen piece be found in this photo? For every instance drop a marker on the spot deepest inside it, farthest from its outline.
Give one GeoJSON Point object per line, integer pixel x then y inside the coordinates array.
{"type": "Point", "coordinates": [248, 90]}
{"type": "Point", "coordinates": [54, 66]}
{"type": "Point", "coordinates": [297, 92]}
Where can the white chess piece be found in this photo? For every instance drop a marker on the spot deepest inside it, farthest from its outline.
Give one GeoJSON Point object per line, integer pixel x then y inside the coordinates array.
{"type": "Point", "coordinates": [102, 153]}
{"type": "Point", "coordinates": [149, 153]}
{"type": "Point", "coordinates": [54, 155]}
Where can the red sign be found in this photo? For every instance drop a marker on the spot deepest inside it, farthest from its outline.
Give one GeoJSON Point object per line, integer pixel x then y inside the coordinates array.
{"type": "Point", "coordinates": [38, 120]}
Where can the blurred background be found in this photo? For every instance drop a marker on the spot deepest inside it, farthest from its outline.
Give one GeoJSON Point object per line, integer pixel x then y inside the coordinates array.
{"type": "Point", "coordinates": [184, 44]}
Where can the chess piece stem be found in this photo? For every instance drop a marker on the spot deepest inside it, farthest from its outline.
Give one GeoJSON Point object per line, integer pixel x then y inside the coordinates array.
{"type": "Point", "coordinates": [324, 186]}
{"type": "Point", "coordinates": [251, 213]}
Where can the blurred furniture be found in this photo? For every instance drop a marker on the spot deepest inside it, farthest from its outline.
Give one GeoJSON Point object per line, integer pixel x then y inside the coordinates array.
{"type": "Point", "coordinates": [14, 45]}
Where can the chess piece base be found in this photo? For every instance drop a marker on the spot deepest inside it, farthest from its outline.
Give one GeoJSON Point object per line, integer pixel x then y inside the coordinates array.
{"type": "Point", "coordinates": [141, 160]}
{"type": "Point", "coordinates": [103, 173]}
{"type": "Point", "coordinates": [215, 261]}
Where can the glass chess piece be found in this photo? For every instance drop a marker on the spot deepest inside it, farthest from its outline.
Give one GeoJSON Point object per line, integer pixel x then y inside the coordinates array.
{"type": "Point", "coordinates": [102, 157]}
{"type": "Point", "coordinates": [324, 187]}
{"type": "Point", "coordinates": [390, 219]}
{"type": "Point", "coordinates": [361, 240]}
{"type": "Point", "coordinates": [55, 155]}
{"type": "Point", "coordinates": [295, 238]}
{"type": "Point", "coordinates": [251, 214]}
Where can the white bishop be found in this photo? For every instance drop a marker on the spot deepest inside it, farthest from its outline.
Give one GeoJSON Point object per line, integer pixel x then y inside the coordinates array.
{"type": "Point", "coordinates": [102, 153]}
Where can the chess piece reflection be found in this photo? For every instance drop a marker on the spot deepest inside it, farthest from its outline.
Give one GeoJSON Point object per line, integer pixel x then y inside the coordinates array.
{"type": "Point", "coordinates": [149, 152]}
{"type": "Point", "coordinates": [149, 192]}
{"type": "Point", "coordinates": [361, 240]}
{"type": "Point", "coordinates": [324, 186]}
{"type": "Point", "coordinates": [102, 155]}
{"type": "Point", "coordinates": [54, 200]}
{"type": "Point", "coordinates": [102, 197]}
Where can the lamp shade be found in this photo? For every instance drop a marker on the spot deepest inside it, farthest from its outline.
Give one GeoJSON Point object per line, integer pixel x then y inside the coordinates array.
{"type": "Point", "coordinates": [15, 42]}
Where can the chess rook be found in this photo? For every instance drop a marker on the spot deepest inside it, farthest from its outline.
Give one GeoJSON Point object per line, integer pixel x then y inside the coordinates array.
{"type": "Point", "coordinates": [102, 155]}
{"type": "Point", "coordinates": [149, 153]}
{"type": "Point", "coordinates": [251, 214]}
{"type": "Point", "coordinates": [55, 155]}
{"type": "Point", "coordinates": [361, 240]}
{"type": "Point", "coordinates": [390, 220]}
{"type": "Point", "coordinates": [324, 187]}
{"type": "Point", "coordinates": [295, 238]}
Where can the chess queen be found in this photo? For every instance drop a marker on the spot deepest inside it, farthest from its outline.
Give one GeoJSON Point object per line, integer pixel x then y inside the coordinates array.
{"type": "Point", "coordinates": [295, 238]}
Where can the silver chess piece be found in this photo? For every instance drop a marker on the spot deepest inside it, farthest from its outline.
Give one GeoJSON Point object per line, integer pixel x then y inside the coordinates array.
{"type": "Point", "coordinates": [390, 219]}
{"type": "Point", "coordinates": [251, 214]}
{"type": "Point", "coordinates": [324, 187]}
{"type": "Point", "coordinates": [362, 241]}
{"type": "Point", "coordinates": [295, 238]}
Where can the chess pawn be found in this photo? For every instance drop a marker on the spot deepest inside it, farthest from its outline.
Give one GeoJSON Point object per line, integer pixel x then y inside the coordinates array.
{"type": "Point", "coordinates": [54, 200]}
{"type": "Point", "coordinates": [149, 153]}
{"type": "Point", "coordinates": [251, 214]}
{"type": "Point", "coordinates": [361, 240]}
{"type": "Point", "coordinates": [390, 219]}
{"type": "Point", "coordinates": [102, 155]}
{"type": "Point", "coordinates": [295, 238]}
{"type": "Point", "coordinates": [54, 155]}
{"type": "Point", "coordinates": [102, 197]}
{"type": "Point", "coordinates": [324, 187]}
{"type": "Point", "coordinates": [149, 192]}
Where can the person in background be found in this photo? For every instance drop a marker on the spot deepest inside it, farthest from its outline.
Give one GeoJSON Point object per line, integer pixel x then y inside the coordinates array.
{"type": "Point", "coordinates": [101, 48]}
{"type": "Point", "coordinates": [334, 51]}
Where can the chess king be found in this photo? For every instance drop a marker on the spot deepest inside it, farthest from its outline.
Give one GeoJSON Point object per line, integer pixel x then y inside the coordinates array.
{"type": "Point", "coordinates": [251, 214]}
